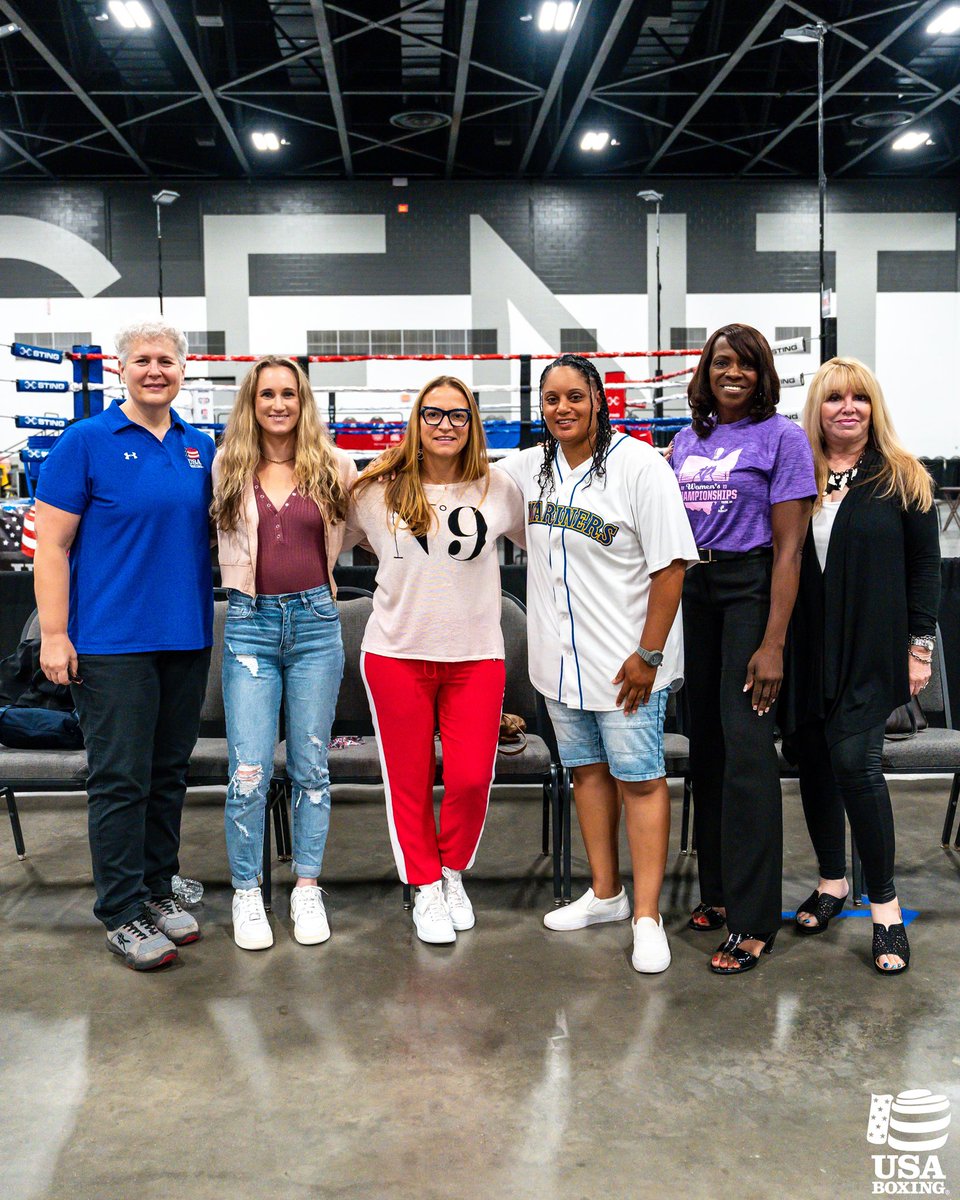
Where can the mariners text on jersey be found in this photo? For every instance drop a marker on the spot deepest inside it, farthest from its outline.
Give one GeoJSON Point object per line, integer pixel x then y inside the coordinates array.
{"type": "Point", "coordinates": [578, 520]}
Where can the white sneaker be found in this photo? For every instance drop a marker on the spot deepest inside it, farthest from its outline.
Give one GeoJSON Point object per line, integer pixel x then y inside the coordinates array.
{"type": "Point", "coordinates": [310, 925]}
{"type": "Point", "coordinates": [251, 929]}
{"type": "Point", "coordinates": [457, 901]}
{"type": "Point", "coordinates": [651, 951]}
{"type": "Point", "coordinates": [588, 910]}
{"type": "Point", "coordinates": [431, 917]}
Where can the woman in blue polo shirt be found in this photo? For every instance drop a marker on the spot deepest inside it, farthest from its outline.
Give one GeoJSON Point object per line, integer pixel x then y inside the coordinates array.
{"type": "Point", "coordinates": [125, 598]}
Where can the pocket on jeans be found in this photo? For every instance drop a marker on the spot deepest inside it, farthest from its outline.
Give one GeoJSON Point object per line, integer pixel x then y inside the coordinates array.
{"type": "Point", "coordinates": [239, 606]}
{"type": "Point", "coordinates": [324, 609]}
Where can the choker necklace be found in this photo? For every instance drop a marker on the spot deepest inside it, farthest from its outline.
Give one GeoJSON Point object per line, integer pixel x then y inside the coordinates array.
{"type": "Point", "coordinates": [838, 480]}
{"type": "Point", "coordinates": [278, 460]}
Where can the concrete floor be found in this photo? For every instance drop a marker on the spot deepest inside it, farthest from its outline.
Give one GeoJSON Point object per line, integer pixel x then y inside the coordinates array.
{"type": "Point", "coordinates": [518, 1063]}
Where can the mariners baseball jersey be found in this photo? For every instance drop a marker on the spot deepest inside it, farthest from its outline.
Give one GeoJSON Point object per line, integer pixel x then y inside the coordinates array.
{"type": "Point", "coordinates": [592, 544]}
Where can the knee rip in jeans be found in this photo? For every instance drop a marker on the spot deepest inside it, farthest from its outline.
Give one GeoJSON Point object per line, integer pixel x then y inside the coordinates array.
{"type": "Point", "coordinates": [246, 660]}
{"type": "Point", "coordinates": [314, 795]}
{"type": "Point", "coordinates": [247, 778]}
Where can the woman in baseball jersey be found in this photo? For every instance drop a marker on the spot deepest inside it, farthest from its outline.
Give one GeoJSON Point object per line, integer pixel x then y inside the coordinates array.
{"type": "Point", "coordinates": [607, 545]}
{"type": "Point", "coordinates": [746, 476]}
{"type": "Point", "coordinates": [432, 656]}
{"type": "Point", "coordinates": [280, 495]}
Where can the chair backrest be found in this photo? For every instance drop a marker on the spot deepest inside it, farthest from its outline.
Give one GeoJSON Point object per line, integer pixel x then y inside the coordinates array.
{"type": "Point", "coordinates": [934, 699]}
{"type": "Point", "coordinates": [520, 696]}
{"type": "Point", "coordinates": [211, 716]}
{"type": "Point", "coordinates": [353, 709]}
{"type": "Point", "coordinates": [31, 627]}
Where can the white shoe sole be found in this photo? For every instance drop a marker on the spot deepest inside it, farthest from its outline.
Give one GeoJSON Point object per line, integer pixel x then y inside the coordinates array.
{"type": "Point", "coordinates": [654, 967]}
{"type": "Point", "coordinates": [460, 924]}
{"type": "Point", "coordinates": [582, 922]}
{"type": "Point", "coordinates": [264, 942]}
{"type": "Point", "coordinates": [433, 939]}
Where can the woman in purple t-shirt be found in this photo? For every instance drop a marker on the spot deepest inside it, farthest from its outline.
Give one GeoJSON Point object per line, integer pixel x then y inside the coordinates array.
{"type": "Point", "coordinates": [746, 475]}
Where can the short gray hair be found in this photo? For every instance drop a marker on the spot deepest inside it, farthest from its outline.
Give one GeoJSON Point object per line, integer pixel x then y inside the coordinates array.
{"type": "Point", "coordinates": [150, 331]}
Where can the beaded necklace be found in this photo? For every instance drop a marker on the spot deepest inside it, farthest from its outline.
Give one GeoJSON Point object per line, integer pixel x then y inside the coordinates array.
{"type": "Point", "coordinates": [838, 480]}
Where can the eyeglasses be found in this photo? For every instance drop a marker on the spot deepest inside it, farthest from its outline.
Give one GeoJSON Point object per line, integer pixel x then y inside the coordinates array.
{"type": "Point", "coordinates": [459, 418]}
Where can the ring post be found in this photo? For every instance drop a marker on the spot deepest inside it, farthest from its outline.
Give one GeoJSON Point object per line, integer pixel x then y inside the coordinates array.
{"type": "Point", "coordinates": [332, 412]}
{"type": "Point", "coordinates": [526, 426]}
{"type": "Point", "coordinates": [87, 371]}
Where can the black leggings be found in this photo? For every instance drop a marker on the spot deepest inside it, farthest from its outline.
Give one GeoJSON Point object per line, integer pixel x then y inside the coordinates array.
{"type": "Point", "coordinates": [848, 776]}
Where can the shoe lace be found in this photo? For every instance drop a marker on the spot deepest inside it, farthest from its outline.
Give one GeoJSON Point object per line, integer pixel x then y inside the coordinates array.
{"type": "Point", "coordinates": [168, 906]}
{"type": "Point", "coordinates": [435, 909]}
{"type": "Point", "coordinates": [309, 904]}
{"type": "Point", "coordinates": [456, 895]}
{"type": "Point", "coordinates": [250, 904]}
{"type": "Point", "coordinates": [141, 928]}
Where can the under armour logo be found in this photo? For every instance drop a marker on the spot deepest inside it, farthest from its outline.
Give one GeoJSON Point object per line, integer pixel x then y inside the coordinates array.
{"type": "Point", "coordinates": [130, 454]}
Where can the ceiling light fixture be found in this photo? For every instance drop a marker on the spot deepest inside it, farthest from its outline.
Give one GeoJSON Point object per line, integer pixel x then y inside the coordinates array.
{"type": "Point", "coordinates": [913, 139]}
{"type": "Point", "coordinates": [947, 22]}
{"type": "Point", "coordinates": [556, 17]}
{"type": "Point", "coordinates": [7, 30]}
{"type": "Point", "coordinates": [130, 14]}
{"type": "Point", "coordinates": [803, 33]}
{"type": "Point", "coordinates": [594, 140]}
{"type": "Point", "coordinates": [265, 141]}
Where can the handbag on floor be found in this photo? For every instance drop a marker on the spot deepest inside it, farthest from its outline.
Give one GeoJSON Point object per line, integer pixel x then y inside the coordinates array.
{"type": "Point", "coordinates": [906, 721]}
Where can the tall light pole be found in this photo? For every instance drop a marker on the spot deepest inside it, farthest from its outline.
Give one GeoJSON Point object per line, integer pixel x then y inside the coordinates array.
{"type": "Point", "coordinates": [162, 199]}
{"type": "Point", "coordinates": [652, 197]}
{"type": "Point", "coordinates": [809, 34]}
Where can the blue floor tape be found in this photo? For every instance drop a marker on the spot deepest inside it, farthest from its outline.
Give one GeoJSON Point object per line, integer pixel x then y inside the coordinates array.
{"type": "Point", "coordinates": [909, 914]}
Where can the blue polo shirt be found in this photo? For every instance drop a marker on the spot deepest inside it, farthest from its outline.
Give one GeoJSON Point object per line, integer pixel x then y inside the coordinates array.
{"type": "Point", "coordinates": [140, 577]}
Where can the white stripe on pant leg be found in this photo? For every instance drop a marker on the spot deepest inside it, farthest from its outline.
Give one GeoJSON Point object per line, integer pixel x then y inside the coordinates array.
{"type": "Point", "coordinates": [388, 798]}
{"type": "Point", "coordinates": [493, 773]}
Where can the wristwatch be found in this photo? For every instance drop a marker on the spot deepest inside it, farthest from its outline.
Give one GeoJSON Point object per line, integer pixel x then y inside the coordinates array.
{"type": "Point", "coordinates": [653, 658]}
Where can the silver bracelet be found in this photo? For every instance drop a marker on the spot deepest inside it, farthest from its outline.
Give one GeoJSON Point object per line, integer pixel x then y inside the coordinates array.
{"type": "Point", "coordinates": [924, 643]}
{"type": "Point", "coordinates": [916, 657]}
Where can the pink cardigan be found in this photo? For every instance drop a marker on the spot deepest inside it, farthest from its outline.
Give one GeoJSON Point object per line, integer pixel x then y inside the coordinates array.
{"type": "Point", "coordinates": [238, 547]}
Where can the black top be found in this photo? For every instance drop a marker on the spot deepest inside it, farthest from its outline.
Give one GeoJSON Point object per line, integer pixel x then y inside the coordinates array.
{"type": "Point", "coordinates": [846, 660]}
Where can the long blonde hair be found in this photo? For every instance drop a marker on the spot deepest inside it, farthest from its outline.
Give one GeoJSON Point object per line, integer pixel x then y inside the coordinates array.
{"type": "Point", "coordinates": [399, 467]}
{"type": "Point", "coordinates": [314, 465]}
{"type": "Point", "coordinates": [900, 473]}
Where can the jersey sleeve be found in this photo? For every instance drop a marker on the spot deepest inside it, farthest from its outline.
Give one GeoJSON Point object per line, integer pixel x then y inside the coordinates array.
{"type": "Point", "coordinates": [662, 524]}
{"type": "Point", "coordinates": [791, 474]}
{"type": "Point", "coordinates": [65, 475]}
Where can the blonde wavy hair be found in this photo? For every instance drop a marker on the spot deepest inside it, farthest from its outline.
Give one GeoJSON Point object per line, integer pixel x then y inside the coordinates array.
{"type": "Point", "coordinates": [314, 467]}
{"type": "Point", "coordinates": [399, 468]}
{"type": "Point", "coordinates": [900, 473]}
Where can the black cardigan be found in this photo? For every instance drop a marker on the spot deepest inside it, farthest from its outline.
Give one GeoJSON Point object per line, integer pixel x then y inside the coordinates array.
{"type": "Point", "coordinates": [846, 660]}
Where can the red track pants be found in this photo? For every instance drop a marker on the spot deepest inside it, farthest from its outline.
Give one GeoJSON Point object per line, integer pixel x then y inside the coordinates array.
{"type": "Point", "coordinates": [409, 699]}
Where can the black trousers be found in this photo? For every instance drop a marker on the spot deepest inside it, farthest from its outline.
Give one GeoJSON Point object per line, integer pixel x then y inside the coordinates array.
{"type": "Point", "coordinates": [738, 812]}
{"type": "Point", "coordinates": [140, 714]}
{"type": "Point", "coordinates": [848, 776]}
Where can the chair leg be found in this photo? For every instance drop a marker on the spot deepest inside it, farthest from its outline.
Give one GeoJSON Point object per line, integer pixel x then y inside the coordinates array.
{"type": "Point", "coordinates": [568, 804]}
{"type": "Point", "coordinates": [951, 814]}
{"type": "Point", "coordinates": [407, 897]}
{"type": "Point", "coordinates": [685, 817]}
{"type": "Point", "coordinates": [281, 822]}
{"type": "Point", "coordinates": [268, 851]}
{"type": "Point", "coordinates": [14, 815]}
{"type": "Point", "coordinates": [857, 873]}
{"type": "Point", "coordinates": [557, 801]}
{"type": "Point", "coordinates": [549, 786]}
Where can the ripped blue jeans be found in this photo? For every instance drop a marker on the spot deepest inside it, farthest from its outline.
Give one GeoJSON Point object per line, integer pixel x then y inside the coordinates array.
{"type": "Point", "coordinates": [279, 648]}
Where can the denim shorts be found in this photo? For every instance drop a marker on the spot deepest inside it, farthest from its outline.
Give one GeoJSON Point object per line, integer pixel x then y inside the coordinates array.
{"type": "Point", "coordinates": [631, 745]}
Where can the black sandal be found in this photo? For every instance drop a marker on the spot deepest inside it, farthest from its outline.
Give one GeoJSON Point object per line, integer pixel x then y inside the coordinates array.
{"type": "Point", "coordinates": [715, 920]}
{"type": "Point", "coordinates": [745, 960]}
{"type": "Point", "coordinates": [821, 906]}
{"type": "Point", "coordinates": [891, 939]}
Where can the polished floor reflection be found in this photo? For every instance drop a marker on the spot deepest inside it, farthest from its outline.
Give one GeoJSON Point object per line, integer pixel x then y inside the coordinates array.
{"type": "Point", "coordinates": [517, 1063]}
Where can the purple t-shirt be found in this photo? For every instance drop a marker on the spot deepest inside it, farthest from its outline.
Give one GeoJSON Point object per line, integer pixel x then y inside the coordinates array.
{"type": "Point", "coordinates": [730, 478]}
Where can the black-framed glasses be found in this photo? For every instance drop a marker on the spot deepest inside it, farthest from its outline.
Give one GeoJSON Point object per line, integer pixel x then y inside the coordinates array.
{"type": "Point", "coordinates": [459, 418]}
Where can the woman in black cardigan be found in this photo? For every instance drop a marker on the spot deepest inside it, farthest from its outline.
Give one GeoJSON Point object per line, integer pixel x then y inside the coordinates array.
{"type": "Point", "coordinates": [861, 640]}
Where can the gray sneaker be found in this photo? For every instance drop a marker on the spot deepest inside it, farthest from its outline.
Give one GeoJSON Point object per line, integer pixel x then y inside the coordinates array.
{"type": "Point", "coordinates": [180, 927]}
{"type": "Point", "coordinates": [141, 945]}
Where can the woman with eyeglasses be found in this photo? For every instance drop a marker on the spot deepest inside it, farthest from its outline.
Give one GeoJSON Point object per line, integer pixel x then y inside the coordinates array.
{"type": "Point", "coordinates": [432, 653]}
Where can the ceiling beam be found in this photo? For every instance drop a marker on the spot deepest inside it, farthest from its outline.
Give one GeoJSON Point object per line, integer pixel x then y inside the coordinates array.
{"type": "Point", "coordinates": [460, 88]}
{"type": "Point", "coordinates": [553, 88]}
{"type": "Point", "coordinates": [943, 99]}
{"type": "Point", "coordinates": [873, 53]}
{"type": "Point", "coordinates": [56, 65]}
{"type": "Point", "coordinates": [162, 9]}
{"type": "Point", "coordinates": [24, 154]}
{"type": "Point", "coordinates": [333, 83]}
{"type": "Point", "coordinates": [732, 62]}
{"type": "Point", "coordinates": [586, 88]}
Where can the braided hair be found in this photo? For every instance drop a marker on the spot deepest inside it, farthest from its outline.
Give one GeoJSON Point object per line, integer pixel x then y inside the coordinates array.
{"type": "Point", "coordinates": [601, 444]}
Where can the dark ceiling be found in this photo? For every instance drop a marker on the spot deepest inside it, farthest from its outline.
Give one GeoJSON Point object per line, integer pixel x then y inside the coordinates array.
{"type": "Point", "coordinates": [685, 87]}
